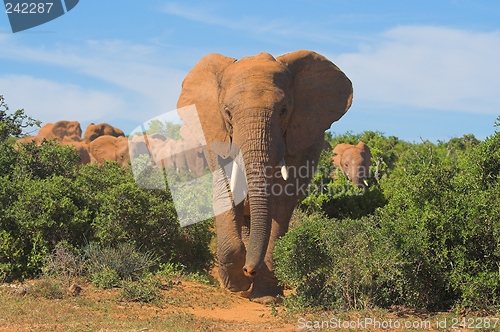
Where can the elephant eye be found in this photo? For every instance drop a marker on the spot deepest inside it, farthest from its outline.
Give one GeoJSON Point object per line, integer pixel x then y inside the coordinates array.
{"type": "Point", "coordinates": [228, 114]}
{"type": "Point", "coordinates": [283, 111]}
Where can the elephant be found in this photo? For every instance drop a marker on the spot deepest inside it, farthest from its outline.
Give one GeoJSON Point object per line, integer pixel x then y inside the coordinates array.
{"type": "Point", "coordinates": [272, 114]}
{"type": "Point", "coordinates": [94, 131]}
{"type": "Point", "coordinates": [193, 152]}
{"type": "Point", "coordinates": [354, 161]}
{"type": "Point", "coordinates": [110, 148]}
{"type": "Point", "coordinates": [154, 142]}
{"type": "Point", "coordinates": [163, 155]}
{"type": "Point", "coordinates": [29, 139]}
{"type": "Point", "coordinates": [181, 155]}
{"type": "Point", "coordinates": [60, 130]}
{"type": "Point", "coordinates": [81, 148]}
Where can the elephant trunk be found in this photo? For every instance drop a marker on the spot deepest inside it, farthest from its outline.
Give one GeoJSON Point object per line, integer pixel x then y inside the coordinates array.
{"type": "Point", "coordinates": [260, 225]}
{"type": "Point", "coordinates": [258, 161]}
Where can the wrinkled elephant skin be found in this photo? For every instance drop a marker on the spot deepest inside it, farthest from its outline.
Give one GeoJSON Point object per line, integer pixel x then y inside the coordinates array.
{"type": "Point", "coordinates": [275, 110]}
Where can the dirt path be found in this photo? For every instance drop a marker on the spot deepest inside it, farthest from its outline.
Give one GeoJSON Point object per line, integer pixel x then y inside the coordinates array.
{"type": "Point", "coordinates": [185, 307]}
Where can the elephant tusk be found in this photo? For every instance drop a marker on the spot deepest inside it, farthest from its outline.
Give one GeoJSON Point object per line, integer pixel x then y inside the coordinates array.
{"type": "Point", "coordinates": [365, 182]}
{"type": "Point", "coordinates": [284, 170]}
{"type": "Point", "coordinates": [234, 175]}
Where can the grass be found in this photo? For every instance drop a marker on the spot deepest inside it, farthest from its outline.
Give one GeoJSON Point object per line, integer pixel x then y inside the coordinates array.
{"type": "Point", "coordinates": [181, 307]}
{"type": "Point", "coordinates": [97, 309]}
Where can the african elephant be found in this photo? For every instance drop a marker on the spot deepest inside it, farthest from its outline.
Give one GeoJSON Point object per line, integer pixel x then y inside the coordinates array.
{"type": "Point", "coordinates": [193, 152]}
{"type": "Point", "coordinates": [60, 130]}
{"type": "Point", "coordinates": [163, 155]}
{"type": "Point", "coordinates": [29, 139]}
{"type": "Point", "coordinates": [110, 148]}
{"type": "Point", "coordinates": [354, 161]}
{"type": "Point", "coordinates": [154, 142]}
{"type": "Point", "coordinates": [93, 131]}
{"type": "Point", "coordinates": [178, 156]}
{"type": "Point", "coordinates": [81, 148]}
{"type": "Point", "coordinates": [272, 112]}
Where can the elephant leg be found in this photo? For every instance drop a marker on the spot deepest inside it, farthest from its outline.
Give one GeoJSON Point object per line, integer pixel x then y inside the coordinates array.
{"type": "Point", "coordinates": [230, 248]}
{"type": "Point", "coordinates": [266, 288]}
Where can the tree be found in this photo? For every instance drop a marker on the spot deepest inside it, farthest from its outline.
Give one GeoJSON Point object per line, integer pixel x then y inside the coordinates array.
{"type": "Point", "coordinates": [13, 124]}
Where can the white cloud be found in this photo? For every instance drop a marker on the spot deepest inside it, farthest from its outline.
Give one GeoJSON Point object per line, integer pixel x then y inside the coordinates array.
{"type": "Point", "coordinates": [51, 101]}
{"type": "Point", "coordinates": [256, 26]}
{"type": "Point", "coordinates": [428, 67]}
{"type": "Point", "coordinates": [139, 84]}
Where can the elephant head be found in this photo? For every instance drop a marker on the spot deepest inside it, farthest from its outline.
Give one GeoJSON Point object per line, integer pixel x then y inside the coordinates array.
{"type": "Point", "coordinates": [275, 111]}
{"type": "Point", "coordinates": [94, 131]}
{"type": "Point", "coordinates": [60, 130]}
{"type": "Point", "coordinates": [110, 148]}
{"type": "Point", "coordinates": [354, 161]}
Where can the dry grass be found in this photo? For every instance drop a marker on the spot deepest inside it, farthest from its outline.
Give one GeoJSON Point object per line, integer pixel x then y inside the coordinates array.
{"type": "Point", "coordinates": [186, 306]}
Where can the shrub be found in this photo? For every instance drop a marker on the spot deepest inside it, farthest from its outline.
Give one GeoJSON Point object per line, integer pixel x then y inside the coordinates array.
{"type": "Point", "coordinates": [47, 288]}
{"type": "Point", "coordinates": [146, 289]}
{"type": "Point", "coordinates": [342, 264]}
{"type": "Point", "coordinates": [443, 217]}
{"type": "Point", "coordinates": [105, 278]}
{"type": "Point", "coordinates": [65, 263]}
{"type": "Point", "coordinates": [45, 198]}
{"type": "Point", "coordinates": [124, 260]}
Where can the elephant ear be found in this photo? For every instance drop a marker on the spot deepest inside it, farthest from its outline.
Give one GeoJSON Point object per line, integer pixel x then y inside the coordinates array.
{"type": "Point", "coordinates": [322, 94]}
{"type": "Point", "coordinates": [338, 152]}
{"type": "Point", "coordinates": [201, 88]}
{"type": "Point", "coordinates": [367, 152]}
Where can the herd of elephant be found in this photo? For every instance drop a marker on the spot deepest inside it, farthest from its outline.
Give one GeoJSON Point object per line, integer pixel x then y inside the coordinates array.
{"type": "Point", "coordinates": [270, 112]}
{"type": "Point", "coordinates": [103, 142]}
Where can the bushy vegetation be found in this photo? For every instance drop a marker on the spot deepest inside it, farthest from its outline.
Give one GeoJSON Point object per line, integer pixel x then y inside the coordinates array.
{"type": "Point", "coordinates": [46, 198]}
{"type": "Point", "coordinates": [424, 235]}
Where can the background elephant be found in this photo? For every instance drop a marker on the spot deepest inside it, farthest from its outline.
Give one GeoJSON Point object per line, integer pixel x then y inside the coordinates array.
{"type": "Point", "coordinates": [153, 142]}
{"type": "Point", "coordinates": [193, 152]}
{"type": "Point", "coordinates": [276, 112]}
{"type": "Point", "coordinates": [163, 155]}
{"type": "Point", "coordinates": [110, 148]}
{"type": "Point", "coordinates": [354, 161]}
{"type": "Point", "coordinates": [60, 130]}
{"type": "Point", "coordinates": [81, 148]}
{"type": "Point", "coordinates": [178, 156]}
{"type": "Point", "coordinates": [94, 131]}
{"type": "Point", "coordinates": [29, 139]}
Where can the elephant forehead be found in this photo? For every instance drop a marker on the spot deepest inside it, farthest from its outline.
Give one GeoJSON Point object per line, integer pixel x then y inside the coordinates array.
{"type": "Point", "coordinates": [255, 69]}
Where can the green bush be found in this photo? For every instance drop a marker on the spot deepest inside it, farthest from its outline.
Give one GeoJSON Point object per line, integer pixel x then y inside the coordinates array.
{"type": "Point", "coordinates": [124, 259]}
{"type": "Point", "coordinates": [48, 289]}
{"type": "Point", "coordinates": [438, 233]}
{"type": "Point", "coordinates": [341, 264]}
{"type": "Point", "coordinates": [46, 198]}
{"type": "Point", "coordinates": [146, 289]}
{"type": "Point", "coordinates": [105, 278]}
{"type": "Point", "coordinates": [443, 217]}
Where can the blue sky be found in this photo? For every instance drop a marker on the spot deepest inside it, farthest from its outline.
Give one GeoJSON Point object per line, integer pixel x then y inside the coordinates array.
{"type": "Point", "coordinates": [427, 69]}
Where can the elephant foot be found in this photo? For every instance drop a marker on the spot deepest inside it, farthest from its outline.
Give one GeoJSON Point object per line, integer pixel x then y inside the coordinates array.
{"type": "Point", "coordinates": [232, 278]}
{"type": "Point", "coordinates": [266, 294]}
{"type": "Point", "coordinates": [267, 299]}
